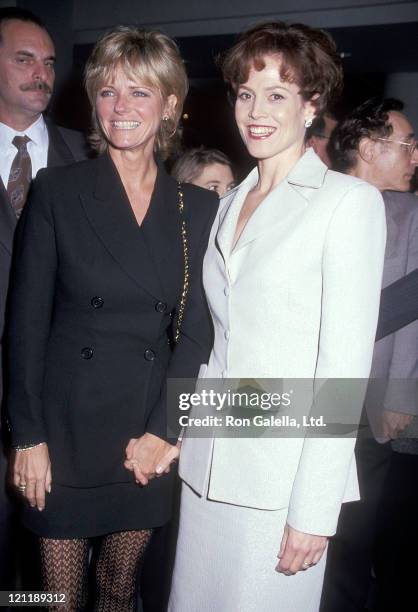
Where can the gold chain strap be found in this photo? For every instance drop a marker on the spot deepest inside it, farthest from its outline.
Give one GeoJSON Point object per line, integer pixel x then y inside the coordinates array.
{"type": "Point", "coordinates": [185, 289]}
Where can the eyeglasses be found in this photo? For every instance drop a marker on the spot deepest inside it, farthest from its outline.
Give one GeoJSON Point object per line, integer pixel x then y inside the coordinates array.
{"type": "Point", "coordinates": [410, 146]}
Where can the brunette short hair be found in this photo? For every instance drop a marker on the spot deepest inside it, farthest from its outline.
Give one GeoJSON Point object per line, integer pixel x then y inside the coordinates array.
{"type": "Point", "coordinates": [191, 163]}
{"type": "Point", "coordinates": [308, 57]}
{"type": "Point", "coordinates": [148, 55]}
{"type": "Point", "coordinates": [369, 120]}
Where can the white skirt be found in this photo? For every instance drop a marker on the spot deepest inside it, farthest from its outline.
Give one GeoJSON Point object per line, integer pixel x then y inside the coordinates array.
{"type": "Point", "coordinates": [226, 557]}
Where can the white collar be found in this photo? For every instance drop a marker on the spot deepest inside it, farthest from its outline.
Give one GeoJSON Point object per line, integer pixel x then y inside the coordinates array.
{"type": "Point", "coordinates": [37, 132]}
{"type": "Point", "coordinates": [309, 171]}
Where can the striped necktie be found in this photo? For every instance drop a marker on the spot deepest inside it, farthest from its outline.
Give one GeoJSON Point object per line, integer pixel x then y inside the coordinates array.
{"type": "Point", "coordinates": [20, 176]}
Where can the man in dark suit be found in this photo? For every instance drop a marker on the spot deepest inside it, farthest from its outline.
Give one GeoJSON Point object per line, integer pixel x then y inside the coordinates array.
{"type": "Point", "coordinates": [28, 142]}
{"type": "Point", "coordinates": [376, 143]}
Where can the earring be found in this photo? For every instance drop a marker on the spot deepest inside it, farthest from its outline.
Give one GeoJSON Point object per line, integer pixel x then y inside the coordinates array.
{"type": "Point", "coordinates": [308, 122]}
{"type": "Point", "coordinates": [165, 118]}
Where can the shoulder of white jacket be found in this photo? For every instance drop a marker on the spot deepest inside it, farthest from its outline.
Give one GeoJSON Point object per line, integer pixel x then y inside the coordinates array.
{"type": "Point", "coordinates": [342, 184]}
{"type": "Point", "coordinates": [344, 180]}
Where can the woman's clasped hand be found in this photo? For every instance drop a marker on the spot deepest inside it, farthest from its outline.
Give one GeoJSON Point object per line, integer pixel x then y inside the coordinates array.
{"type": "Point", "coordinates": [149, 457]}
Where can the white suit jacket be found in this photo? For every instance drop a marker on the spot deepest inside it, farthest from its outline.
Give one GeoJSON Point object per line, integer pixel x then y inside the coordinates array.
{"type": "Point", "coordinates": [297, 297]}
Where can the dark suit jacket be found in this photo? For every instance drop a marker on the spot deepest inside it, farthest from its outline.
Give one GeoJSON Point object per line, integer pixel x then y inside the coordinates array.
{"type": "Point", "coordinates": [65, 147]}
{"type": "Point", "coordinates": [399, 305]}
{"type": "Point", "coordinates": [91, 304]}
{"type": "Point", "coordinates": [395, 358]}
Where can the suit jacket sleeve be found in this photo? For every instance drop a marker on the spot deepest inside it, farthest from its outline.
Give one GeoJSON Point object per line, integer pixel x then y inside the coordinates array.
{"type": "Point", "coordinates": [30, 310]}
{"type": "Point", "coordinates": [4, 286]}
{"type": "Point", "coordinates": [352, 274]}
{"type": "Point", "coordinates": [77, 143]}
{"type": "Point", "coordinates": [401, 392]}
{"type": "Point", "coordinates": [399, 305]}
{"type": "Point", "coordinates": [196, 331]}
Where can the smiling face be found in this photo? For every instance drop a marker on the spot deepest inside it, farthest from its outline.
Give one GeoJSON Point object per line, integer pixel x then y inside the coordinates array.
{"type": "Point", "coordinates": [27, 75]}
{"type": "Point", "coordinates": [130, 112]}
{"type": "Point", "coordinates": [270, 113]}
{"type": "Point", "coordinates": [216, 177]}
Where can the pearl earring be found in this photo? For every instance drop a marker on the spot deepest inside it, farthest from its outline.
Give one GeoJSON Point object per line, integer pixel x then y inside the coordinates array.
{"type": "Point", "coordinates": [308, 123]}
{"type": "Point", "coordinates": [165, 118]}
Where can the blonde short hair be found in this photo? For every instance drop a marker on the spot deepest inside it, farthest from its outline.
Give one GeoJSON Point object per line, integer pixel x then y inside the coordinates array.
{"type": "Point", "coordinates": [148, 55]}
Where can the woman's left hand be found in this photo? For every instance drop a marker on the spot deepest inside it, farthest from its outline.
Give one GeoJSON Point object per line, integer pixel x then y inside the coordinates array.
{"type": "Point", "coordinates": [299, 551]}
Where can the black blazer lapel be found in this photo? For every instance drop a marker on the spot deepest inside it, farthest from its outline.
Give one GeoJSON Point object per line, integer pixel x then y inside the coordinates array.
{"type": "Point", "coordinates": [162, 226]}
{"type": "Point", "coordinates": [59, 154]}
{"type": "Point", "coordinates": [7, 219]}
{"type": "Point", "coordinates": [111, 216]}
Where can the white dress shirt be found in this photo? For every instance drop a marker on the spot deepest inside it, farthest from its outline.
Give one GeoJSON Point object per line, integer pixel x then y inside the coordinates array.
{"type": "Point", "coordinates": [37, 147]}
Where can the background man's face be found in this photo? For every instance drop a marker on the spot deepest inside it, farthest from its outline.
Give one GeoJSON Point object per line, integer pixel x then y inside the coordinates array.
{"type": "Point", "coordinates": [394, 166]}
{"type": "Point", "coordinates": [319, 142]}
{"type": "Point", "coordinates": [27, 74]}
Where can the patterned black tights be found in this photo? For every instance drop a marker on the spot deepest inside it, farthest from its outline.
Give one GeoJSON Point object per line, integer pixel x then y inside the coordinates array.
{"type": "Point", "coordinates": [65, 569]}
{"type": "Point", "coordinates": [117, 567]}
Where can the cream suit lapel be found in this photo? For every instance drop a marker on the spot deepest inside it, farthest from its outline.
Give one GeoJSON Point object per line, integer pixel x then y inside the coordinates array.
{"type": "Point", "coordinates": [309, 172]}
{"type": "Point", "coordinates": [286, 201]}
{"type": "Point", "coordinates": [229, 213]}
{"type": "Point", "coordinates": [279, 207]}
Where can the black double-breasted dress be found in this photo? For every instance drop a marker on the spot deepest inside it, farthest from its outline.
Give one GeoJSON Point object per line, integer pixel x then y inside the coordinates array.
{"type": "Point", "coordinates": [93, 303]}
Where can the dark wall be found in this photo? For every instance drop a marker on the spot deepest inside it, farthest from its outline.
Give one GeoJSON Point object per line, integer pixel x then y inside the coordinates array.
{"type": "Point", "coordinates": [58, 18]}
{"type": "Point", "coordinates": [371, 51]}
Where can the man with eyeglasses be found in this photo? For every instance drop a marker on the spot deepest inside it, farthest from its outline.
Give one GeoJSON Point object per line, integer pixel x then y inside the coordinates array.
{"type": "Point", "coordinates": [376, 143]}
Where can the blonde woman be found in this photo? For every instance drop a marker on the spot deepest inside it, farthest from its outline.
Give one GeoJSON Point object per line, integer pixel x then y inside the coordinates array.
{"type": "Point", "coordinates": [108, 253]}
